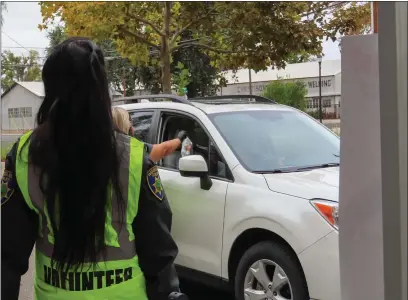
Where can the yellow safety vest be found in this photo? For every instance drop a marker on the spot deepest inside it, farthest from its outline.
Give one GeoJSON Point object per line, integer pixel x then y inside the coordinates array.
{"type": "Point", "coordinates": [118, 276]}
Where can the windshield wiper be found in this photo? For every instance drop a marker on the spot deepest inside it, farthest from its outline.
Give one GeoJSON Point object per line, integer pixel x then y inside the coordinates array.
{"type": "Point", "coordinates": [274, 171]}
{"type": "Point", "coordinates": [327, 165]}
{"type": "Point", "coordinates": [297, 169]}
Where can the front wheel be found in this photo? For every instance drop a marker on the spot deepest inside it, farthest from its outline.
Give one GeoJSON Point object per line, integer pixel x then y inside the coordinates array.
{"type": "Point", "coordinates": [268, 271]}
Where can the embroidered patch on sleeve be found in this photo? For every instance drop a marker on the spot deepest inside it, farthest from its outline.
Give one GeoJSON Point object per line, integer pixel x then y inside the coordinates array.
{"type": "Point", "coordinates": [154, 183]}
{"type": "Point", "coordinates": [7, 186]}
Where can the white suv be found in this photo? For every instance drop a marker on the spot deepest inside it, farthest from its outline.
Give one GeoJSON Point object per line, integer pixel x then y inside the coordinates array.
{"type": "Point", "coordinates": [255, 207]}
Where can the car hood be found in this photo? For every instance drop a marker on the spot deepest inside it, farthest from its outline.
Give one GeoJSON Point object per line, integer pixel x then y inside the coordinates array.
{"type": "Point", "coordinates": [319, 183]}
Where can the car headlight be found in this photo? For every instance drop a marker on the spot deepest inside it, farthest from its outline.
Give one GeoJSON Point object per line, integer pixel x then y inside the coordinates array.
{"type": "Point", "coordinates": [329, 210]}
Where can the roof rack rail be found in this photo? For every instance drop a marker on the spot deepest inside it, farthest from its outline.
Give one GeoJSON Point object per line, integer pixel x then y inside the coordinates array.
{"type": "Point", "coordinates": [157, 97]}
{"type": "Point", "coordinates": [233, 99]}
{"type": "Point", "coordinates": [220, 99]}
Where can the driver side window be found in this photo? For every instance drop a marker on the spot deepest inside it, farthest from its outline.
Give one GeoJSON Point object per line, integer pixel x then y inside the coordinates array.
{"type": "Point", "coordinates": [202, 144]}
{"type": "Point", "coordinates": [141, 122]}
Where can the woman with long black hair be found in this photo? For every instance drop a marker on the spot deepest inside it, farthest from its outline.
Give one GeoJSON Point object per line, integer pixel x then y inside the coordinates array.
{"type": "Point", "coordinates": [88, 197]}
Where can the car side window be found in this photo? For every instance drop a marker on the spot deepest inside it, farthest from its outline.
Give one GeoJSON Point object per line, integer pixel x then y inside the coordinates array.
{"type": "Point", "coordinates": [141, 122]}
{"type": "Point", "coordinates": [202, 144]}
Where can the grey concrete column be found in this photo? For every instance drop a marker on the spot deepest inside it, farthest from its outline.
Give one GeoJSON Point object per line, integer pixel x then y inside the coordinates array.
{"type": "Point", "coordinates": [392, 43]}
{"type": "Point", "coordinates": [373, 173]}
{"type": "Point", "coordinates": [360, 211]}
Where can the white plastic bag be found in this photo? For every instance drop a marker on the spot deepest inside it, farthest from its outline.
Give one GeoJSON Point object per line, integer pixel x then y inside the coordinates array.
{"type": "Point", "coordinates": [186, 147]}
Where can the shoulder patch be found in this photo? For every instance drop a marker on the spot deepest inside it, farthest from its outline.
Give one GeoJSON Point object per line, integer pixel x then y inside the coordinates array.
{"type": "Point", "coordinates": [7, 186]}
{"type": "Point", "coordinates": [154, 183]}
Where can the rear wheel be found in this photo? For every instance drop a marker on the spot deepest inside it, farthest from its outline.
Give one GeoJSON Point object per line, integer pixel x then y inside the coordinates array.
{"type": "Point", "coordinates": [268, 271]}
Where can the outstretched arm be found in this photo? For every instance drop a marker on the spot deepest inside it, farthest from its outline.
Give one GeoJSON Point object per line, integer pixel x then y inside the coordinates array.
{"type": "Point", "coordinates": [158, 151]}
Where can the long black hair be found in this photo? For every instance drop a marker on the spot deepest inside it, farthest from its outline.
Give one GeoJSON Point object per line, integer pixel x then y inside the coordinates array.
{"type": "Point", "coordinates": [75, 150]}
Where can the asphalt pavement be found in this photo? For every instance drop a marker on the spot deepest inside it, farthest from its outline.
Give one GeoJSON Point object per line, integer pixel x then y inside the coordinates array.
{"type": "Point", "coordinates": [9, 138]}
{"type": "Point", "coordinates": [200, 292]}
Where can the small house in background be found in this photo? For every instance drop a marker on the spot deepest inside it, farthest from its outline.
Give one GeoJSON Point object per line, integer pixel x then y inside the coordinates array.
{"type": "Point", "coordinates": [20, 104]}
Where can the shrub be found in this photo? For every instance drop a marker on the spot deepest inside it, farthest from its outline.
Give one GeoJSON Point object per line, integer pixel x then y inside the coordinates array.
{"type": "Point", "coordinates": [291, 93]}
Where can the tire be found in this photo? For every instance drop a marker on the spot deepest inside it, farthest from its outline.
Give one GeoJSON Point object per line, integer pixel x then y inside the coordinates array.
{"type": "Point", "coordinates": [268, 252]}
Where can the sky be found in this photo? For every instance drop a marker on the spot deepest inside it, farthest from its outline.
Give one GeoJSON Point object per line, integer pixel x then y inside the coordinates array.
{"type": "Point", "coordinates": [20, 29]}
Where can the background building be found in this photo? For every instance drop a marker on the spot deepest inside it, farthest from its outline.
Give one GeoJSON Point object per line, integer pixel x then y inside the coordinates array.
{"type": "Point", "coordinates": [239, 83]}
{"type": "Point", "coordinates": [20, 105]}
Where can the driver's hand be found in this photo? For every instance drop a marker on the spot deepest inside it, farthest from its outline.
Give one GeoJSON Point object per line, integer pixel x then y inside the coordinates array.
{"type": "Point", "coordinates": [181, 135]}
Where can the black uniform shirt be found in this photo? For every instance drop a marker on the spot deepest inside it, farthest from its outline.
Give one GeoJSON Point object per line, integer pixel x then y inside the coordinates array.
{"type": "Point", "coordinates": [148, 148]}
{"type": "Point", "coordinates": [155, 246]}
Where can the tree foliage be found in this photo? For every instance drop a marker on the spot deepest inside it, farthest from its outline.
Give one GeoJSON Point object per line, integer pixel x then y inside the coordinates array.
{"type": "Point", "coordinates": [122, 75]}
{"type": "Point", "coordinates": [234, 34]}
{"type": "Point", "coordinates": [291, 93]}
{"type": "Point", "coordinates": [349, 18]}
{"type": "Point", "coordinates": [299, 58]}
{"type": "Point", "coordinates": [56, 35]}
{"type": "Point", "coordinates": [205, 79]}
{"type": "Point", "coordinates": [181, 79]}
{"type": "Point", "coordinates": [119, 70]}
{"type": "Point", "coordinates": [226, 31]}
{"type": "Point", "coordinates": [19, 68]}
{"type": "Point", "coordinates": [126, 78]}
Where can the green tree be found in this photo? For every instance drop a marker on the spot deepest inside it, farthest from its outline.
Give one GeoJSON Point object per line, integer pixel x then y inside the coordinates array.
{"type": "Point", "coordinates": [299, 58]}
{"type": "Point", "coordinates": [348, 18]}
{"type": "Point", "coordinates": [287, 92]}
{"type": "Point", "coordinates": [205, 79]}
{"type": "Point", "coordinates": [119, 70]}
{"type": "Point", "coordinates": [181, 79]}
{"type": "Point", "coordinates": [55, 36]}
{"type": "Point", "coordinates": [125, 77]}
{"type": "Point", "coordinates": [19, 68]}
{"type": "Point", "coordinates": [226, 31]}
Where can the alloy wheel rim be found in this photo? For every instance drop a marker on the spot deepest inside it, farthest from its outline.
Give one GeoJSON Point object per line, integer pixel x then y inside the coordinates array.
{"type": "Point", "coordinates": [266, 280]}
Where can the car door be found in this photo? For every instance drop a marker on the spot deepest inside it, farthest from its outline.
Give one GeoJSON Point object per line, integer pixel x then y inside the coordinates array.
{"type": "Point", "coordinates": [198, 215]}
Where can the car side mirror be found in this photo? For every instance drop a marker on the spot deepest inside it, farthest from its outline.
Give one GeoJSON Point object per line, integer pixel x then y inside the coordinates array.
{"type": "Point", "coordinates": [195, 166]}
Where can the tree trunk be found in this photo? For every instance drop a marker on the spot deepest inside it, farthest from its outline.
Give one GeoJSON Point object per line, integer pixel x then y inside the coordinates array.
{"type": "Point", "coordinates": [165, 66]}
{"type": "Point", "coordinates": [165, 51]}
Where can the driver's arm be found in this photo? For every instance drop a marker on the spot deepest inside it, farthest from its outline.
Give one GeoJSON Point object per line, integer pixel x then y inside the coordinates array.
{"type": "Point", "coordinates": [161, 150]}
{"type": "Point", "coordinates": [158, 151]}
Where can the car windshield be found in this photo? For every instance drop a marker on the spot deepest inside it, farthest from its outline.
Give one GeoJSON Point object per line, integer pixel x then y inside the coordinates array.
{"type": "Point", "coordinates": [273, 141]}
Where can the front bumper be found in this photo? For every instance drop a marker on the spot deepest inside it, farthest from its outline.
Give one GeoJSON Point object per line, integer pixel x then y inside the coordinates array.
{"type": "Point", "coordinates": [321, 265]}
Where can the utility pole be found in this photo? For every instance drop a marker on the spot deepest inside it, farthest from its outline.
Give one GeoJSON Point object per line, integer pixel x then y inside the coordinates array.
{"type": "Point", "coordinates": [374, 17]}
{"type": "Point", "coordinates": [250, 82]}
{"type": "Point", "coordinates": [319, 60]}
{"type": "Point", "coordinates": [124, 81]}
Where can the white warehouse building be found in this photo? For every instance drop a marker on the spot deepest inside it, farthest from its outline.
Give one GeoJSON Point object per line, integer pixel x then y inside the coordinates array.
{"type": "Point", "coordinates": [20, 104]}
{"type": "Point", "coordinates": [306, 72]}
